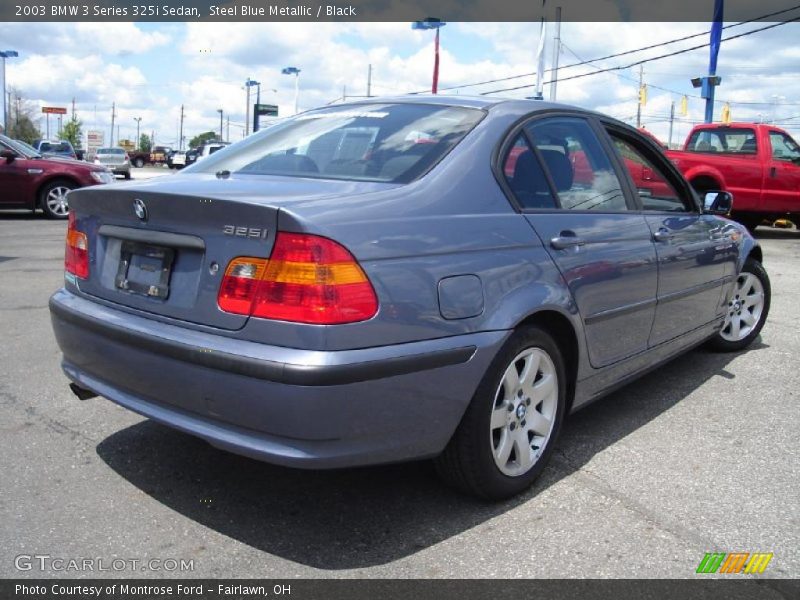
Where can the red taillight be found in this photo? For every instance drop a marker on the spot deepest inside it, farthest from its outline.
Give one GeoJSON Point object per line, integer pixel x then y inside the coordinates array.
{"type": "Point", "coordinates": [76, 256]}
{"type": "Point", "coordinates": [308, 279]}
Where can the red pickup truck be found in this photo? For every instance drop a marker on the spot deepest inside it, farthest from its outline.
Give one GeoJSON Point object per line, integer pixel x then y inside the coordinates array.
{"type": "Point", "coordinates": [759, 164]}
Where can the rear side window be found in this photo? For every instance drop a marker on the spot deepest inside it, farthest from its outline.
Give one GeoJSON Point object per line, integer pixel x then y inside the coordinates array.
{"type": "Point", "coordinates": [578, 166]}
{"type": "Point", "coordinates": [728, 141]}
{"type": "Point", "coordinates": [363, 142]}
{"type": "Point", "coordinates": [526, 178]}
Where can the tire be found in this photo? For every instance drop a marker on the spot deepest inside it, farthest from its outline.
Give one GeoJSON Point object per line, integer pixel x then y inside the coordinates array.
{"type": "Point", "coordinates": [53, 198]}
{"type": "Point", "coordinates": [138, 163]}
{"type": "Point", "coordinates": [127, 175]}
{"type": "Point", "coordinates": [483, 457]}
{"type": "Point", "coordinates": [751, 295]}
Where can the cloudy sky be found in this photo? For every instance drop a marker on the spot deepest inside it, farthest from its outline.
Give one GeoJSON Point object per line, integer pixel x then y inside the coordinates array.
{"type": "Point", "coordinates": [150, 69]}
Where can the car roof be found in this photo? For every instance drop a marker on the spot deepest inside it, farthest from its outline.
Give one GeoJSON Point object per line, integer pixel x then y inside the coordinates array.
{"type": "Point", "coordinates": [521, 106]}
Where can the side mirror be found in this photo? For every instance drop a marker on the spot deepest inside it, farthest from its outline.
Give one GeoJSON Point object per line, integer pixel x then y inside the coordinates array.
{"type": "Point", "coordinates": [718, 203]}
{"type": "Point", "coordinates": [9, 155]}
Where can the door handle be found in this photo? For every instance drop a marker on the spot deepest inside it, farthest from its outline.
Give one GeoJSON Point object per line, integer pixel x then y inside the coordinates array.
{"type": "Point", "coordinates": [662, 235]}
{"type": "Point", "coordinates": [773, 171]}
{"type": "Point", "coordinates": [566, 239]}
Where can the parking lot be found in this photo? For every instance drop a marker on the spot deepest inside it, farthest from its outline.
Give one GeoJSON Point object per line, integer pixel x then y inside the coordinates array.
{"type": "Point", "coordinates": [699, 456]}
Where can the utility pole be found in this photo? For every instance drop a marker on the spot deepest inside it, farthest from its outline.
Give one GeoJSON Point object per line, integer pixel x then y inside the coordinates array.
{"type": "Point", "coordinates": [113, 116]}
{"type": "Point", "coordinates": [73, 108]}
{"type": "Point", "coordinates": [639, 100]}
{"type": "Point", "coordinates": [247, 113]}
{"type": "Point", "coordinates": [344, 93]}
{"type": "Point", "coordinates": [180, 135]}
{"type": "Point", "coordinates": [138, 139]}
{"type": "Point", "coordinates": [556, 52]}
{"type": "Point", "coordinates": [369, 80]}
{"type": "Point", "coordinates": [671, 121]}
{"type": "Point", "coordinates": [228, 129]}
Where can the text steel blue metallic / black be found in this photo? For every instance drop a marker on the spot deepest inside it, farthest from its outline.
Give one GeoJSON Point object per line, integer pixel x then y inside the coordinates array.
{"type": "Point", "coordinates": [400, 279]}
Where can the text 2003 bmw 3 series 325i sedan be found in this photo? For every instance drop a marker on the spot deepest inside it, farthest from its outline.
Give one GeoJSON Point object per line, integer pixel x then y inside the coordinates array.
{"type": "Point", "coordinates": [399, 279]}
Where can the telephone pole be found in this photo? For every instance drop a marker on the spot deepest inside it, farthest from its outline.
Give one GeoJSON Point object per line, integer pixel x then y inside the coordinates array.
{"type": "Point", "coordinates": [73, 108]}
{"type": "Point", "coordinates": [369, 81]}
{"type": "Point", "coordinates": [639, 101]}
{"type": "Point", "coordinates": [671, 121]}
{"type": "Point", "coordinates": [556, 52]}
{"type": "Point", "coordinates": [113, 116]}
{"type": "Point", "coordinates": [180, 135]}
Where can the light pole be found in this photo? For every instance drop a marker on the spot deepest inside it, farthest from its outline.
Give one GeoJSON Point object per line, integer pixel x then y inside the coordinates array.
{"type": "Point", "coordinates": [250, 83]}
{"type": "Point", "coordinates": [296, 72]}
{"type": "Point", "coordinates": [6, 54]}
{"type": "Point", "coordinates": [138, 121]}
{"type": "Point", "coordinates": [219, 110]}
{"type": "Point", "coordinates": [437, 24]}
{"type": "Point", "coordinates": [247, 85]}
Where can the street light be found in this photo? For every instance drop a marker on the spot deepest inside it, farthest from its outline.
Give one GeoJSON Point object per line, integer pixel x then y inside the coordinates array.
{"type": "Point", "coordinates": [6, 54]}
{"type": "Point", "coordinates": [432, 23]}
{"type": "Point", "coordinates": [219, 110]}
{"type": "Point", "coordinates": [138, 121]}
{"type": "Point", "coordinates": [296, 72]}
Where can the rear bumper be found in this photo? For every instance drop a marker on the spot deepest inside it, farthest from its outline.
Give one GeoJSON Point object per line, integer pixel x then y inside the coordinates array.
{"type": "Point", "coordinates": [300, 408]}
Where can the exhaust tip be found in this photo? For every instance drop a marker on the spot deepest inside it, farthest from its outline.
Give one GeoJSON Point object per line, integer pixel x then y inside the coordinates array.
{"type": "Point", "coordinates": [82, 393]}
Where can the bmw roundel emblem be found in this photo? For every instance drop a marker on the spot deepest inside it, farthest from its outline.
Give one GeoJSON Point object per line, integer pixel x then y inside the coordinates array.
{"type": "Point", "coordinates": [140, 209]}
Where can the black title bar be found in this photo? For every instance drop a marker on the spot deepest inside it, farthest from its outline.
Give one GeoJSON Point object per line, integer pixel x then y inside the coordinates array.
{"type": "Point", "coordinates": [392, 10]}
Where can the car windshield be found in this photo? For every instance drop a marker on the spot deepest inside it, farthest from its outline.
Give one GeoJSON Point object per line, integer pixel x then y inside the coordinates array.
{"type": "Point", "coordinates": [26, 150]}
{"type": "Point", "coordinates": [111, 151]}
{"type": "Point", "coordinates": [360, 142]}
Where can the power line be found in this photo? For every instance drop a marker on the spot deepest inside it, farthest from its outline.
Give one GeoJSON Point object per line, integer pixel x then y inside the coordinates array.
{"type": "Point", "coordinates": [644, 60]}
{"type": "Point", "coordinates": [616, 55]}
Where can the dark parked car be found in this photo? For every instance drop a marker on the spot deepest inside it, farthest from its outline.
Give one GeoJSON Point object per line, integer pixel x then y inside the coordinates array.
{"type": "Point", "coordinates": [57, 148]}
{"type": "Point", "coordinates": [29, 180]}
{"type": "Point", "coordinates": [368, 283]}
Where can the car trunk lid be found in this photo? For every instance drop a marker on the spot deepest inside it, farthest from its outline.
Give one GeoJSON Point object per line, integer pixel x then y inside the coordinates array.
{"type": "Point", "coordinates": [163, 246]}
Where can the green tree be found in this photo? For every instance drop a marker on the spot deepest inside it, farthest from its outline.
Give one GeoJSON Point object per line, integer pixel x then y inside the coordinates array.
{"type": "Point", "coordinates": [145, 143]}
{"type": "Point", "coordinates": [73, 133]}
{"type": "Point", "coordinates": [22, 119]}
{"type": "Point", "coordinates": [201, 139]}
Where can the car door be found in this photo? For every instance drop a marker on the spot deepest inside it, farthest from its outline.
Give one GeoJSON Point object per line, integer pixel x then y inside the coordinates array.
{"type": "Point", "coordinates": [694, 253]}
{"type": "Point", "coordinates": [782, 181]}
{"type": "Point", "coordinates": [14, 178]}
{"type": "Point", "coordinates": [564, 181]}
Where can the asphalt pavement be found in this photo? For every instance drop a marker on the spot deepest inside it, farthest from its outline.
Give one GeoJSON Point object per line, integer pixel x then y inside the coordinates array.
{"type": "Point", "coordinates": [699, 456]}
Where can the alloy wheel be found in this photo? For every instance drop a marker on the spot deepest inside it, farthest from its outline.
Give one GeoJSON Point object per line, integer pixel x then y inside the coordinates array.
{"type": "Point", "coordinates": [57, 200]}
{"type": "Point", "coordinates": [524, 412]}
{"type": "Point", "coordinates": [745, 308]}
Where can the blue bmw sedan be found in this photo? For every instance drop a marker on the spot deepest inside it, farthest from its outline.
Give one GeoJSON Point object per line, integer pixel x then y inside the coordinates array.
{"type": "Point", "coordinates": [404, 278]}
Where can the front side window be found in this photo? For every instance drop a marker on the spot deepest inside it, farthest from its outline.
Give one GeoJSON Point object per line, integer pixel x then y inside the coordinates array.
{"type": "Point", "coordinates": [783, 147]}
{"type": "Point", "coordinates": [579, 169]}
{"type": "Point", "coordinates": [727, 141]}
{"type": "Point", "coordinates": [361, 142]}
{"type": "Point", "coordinates": [655, 192]}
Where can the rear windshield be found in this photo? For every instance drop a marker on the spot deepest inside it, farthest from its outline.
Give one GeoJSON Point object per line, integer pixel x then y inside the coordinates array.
{"type": "Point", "coordinates": [58, 147]}
{"type": "Point", "coordinates": [362, 142]}
{"type": "Point", "coordinates": [728, 141]}
{"type": "Point", "coordinates": [111, 151]}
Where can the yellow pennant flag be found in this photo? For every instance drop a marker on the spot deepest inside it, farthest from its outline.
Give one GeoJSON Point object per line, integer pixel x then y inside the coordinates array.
{"type": "Point", "coordinates": [643, 94]}
{"type": "Point", "coordinates": [684, 106]}
{"type": "Point", "coordinates": [726, 113]}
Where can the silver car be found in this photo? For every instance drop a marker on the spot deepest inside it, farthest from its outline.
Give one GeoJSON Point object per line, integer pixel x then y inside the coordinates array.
{"type": "Point", "coordinates": [116, 159]}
